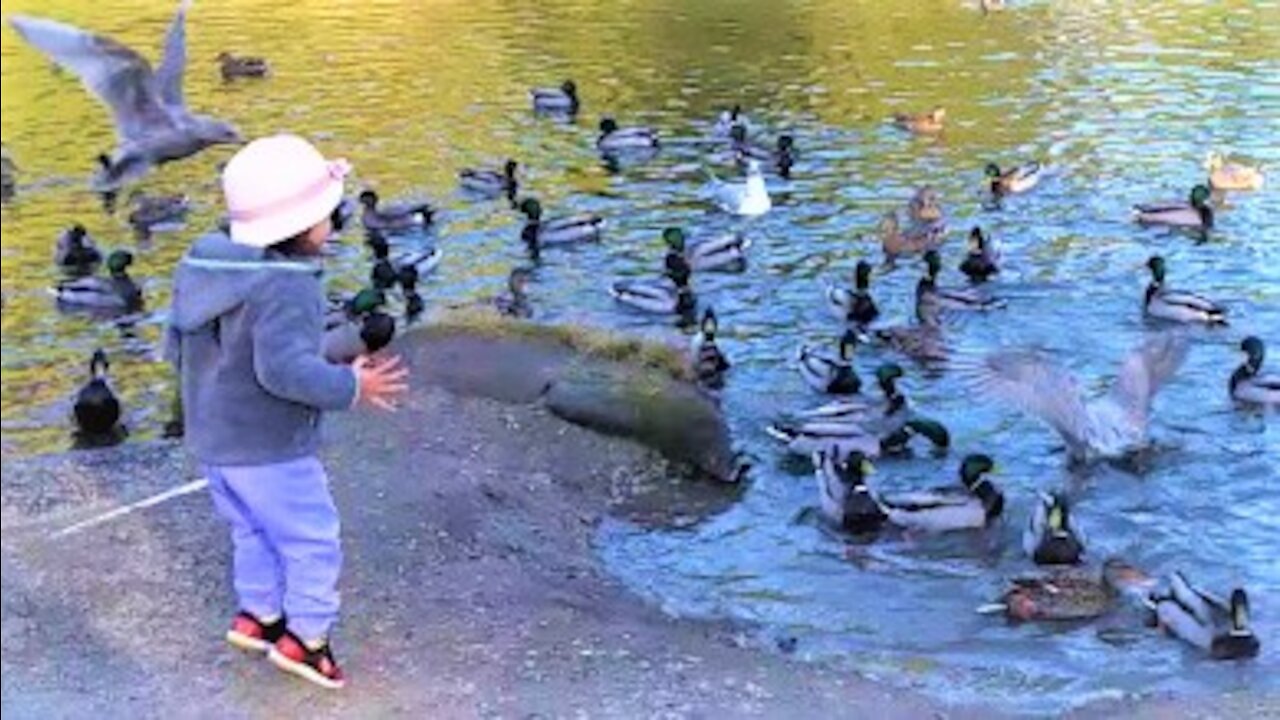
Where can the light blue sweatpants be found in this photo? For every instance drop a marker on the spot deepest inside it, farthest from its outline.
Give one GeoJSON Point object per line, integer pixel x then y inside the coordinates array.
{"type": "Point", "coordinates": [285, 530]}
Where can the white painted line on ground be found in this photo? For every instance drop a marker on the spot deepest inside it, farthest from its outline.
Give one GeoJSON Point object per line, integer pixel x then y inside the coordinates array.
{"type": "Point", "coordinates": [187, 489]}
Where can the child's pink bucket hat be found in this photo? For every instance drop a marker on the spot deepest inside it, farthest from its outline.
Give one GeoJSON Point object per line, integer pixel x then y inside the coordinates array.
{"type": "Point", "coordinates": [277, 187]}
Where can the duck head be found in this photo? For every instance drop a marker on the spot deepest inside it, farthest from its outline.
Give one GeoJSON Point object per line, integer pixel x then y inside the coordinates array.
{"type": "Point", "coordinates": [377, 330]}
{"type": "Point", "coordinates": [118, 262]}
{"type": "Point", "coordinates": [862, 275]}
{"type": "Point", "coordinates": [887, 376]}
{"type": "Point", "coordinates": [1200, 196]}
{"type": "Point", "coordinates": [532, 209]}
{"type": "Point", "coordinates": [369, 199]}
{"type": "Point", "coordinates": [786, 144]}
{"type": "Point", "coordinates": [608, 126]}
{"type": "Point", "coordinates": [1156, 265]}
{"type": "Point", "coordinates": [674, 238]}
{"type": "Point", "coordinates": [76, 234]}
{"type": "Point", "coordinates": [1255, 352]}
{"type": "Point", "coordinates": [709, 324]}
{"type": "Point", "coordinates": [1239, 607]}
{"type": "Point", "coordinates": [509, 169]}
{"type": "Point", "coordinates": [861, 511]}
{"type": "Point", "coordinates": [973, 471]}
{"type": "Point", "coordinates": [738, 133]}
{"type": "Point", "coordinates": [570, 88]}
{"type": "Point", "coordinates": [938, 114]}
{"type": "Point", "coordinates": [366, 301]}
{"type": "Point", "coordinates": [992, 171]}
{"type": "Point", "coordinates": [98, 364]}
{"type": "Point", "coordinates": [1059, 545]}
{"type": "Point", "coordinates": [1239, 641]}
{"type": "Point", "coordinates": [517, 281]}
{"type": "Point", "coordinates": [977, 240]}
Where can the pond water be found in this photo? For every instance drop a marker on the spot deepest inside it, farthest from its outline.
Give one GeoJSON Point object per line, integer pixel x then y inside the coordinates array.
{"type": "Point", "coordinates": [1122, 99]}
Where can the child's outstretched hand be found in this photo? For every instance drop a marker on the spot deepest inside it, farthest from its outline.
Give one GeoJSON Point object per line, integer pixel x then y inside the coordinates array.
{"type": "Point", "coordinates": [380, 381]}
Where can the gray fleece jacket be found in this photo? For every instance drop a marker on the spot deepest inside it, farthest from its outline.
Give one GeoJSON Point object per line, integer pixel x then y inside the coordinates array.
{"type": "Point", "coordinates": [245, 332]}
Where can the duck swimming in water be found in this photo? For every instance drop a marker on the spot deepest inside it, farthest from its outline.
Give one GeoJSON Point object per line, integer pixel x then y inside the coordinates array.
{"type": "Point", "coordinates": [1051, 536]}
{"type": "Point", "coordinates": [386, 271]}
{"type": "Point", "coordinates": [854, 305]}
{"type": "Point", "coordinates": [515, 302]}
{"type": "Point", "coordinates": [153, 213]}
{"type": "Point", "coordinates": [490, 183]}
{"type": "Point", "coordinates": [623, 139]}
{"type": "Point", "coordinates": [398, 218]}
{"type": "Point", "coordinates": [115, 294]}
{"type": "Point", "coordinates": [1195, 214]}
{"type": "Point", "coordinates": [749, 198]}
{"type": "Point", "coordinates": [890, 411]}
{"type": "Point", "coordinates": [809, 436]}
{"type": "Point", "coordinates": [1225, 175]}
{"type": "Point", "coordinates": [1248, 384]}
{"type": "Point", "coordinates": [723, 254]}
{"type": "Point", "coordinates": [557, 101]}
{"type": "Point", "coordinates": [709, 363]}
{"type": "Point", "coordinates": [1205, 621]}
{"type": "Point", "coordinates": [832, 375]}
{"type": "Point", "coordinates": [669, 295]}
{"type": "Point", "coordinates": [539, 232]}
{"type": "Point", "coordinates": [76, 253]}
{"type": "Point", "coordinates": [1066, 594]}
{"type": "Point", "coordinates": [843, 496]}
{"type": "Point", "coordinates": [1108, 427]}
{"type": "Point", "coordinates": [974, 504]}
{"type": "Point", "coordinates": [936, 298]}
{"type": "Point", "coordinates": [982, 260]}
{"type": "Point", "coordinates": [1013, 181]}
{"type": "Point", "coordinates": [97, 409]}
{"type": "Point", "coordinates": [1175, 305]}
{"type": "Point", "coordinates": [916, 240]}
{"type": "Point", "coordinates": [927, 123]}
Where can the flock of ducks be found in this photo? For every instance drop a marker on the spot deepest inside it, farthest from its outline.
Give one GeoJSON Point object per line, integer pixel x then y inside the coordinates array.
{"type": "Point", "coordinates": [842, 436]}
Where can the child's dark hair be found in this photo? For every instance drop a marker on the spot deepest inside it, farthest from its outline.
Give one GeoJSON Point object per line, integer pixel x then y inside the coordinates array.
{"type": "Point", "coordinates": [291, 246]}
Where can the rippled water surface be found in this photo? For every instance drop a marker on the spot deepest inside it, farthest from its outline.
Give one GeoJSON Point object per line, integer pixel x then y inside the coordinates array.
{"type": "Point", "coordinates": [1123, 99]}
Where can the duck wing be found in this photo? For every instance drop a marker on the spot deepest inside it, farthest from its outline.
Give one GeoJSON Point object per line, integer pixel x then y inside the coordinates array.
{"type": "Point", "coordinates": [173, 64]}
{"type": "Point", "coordinates": [1192, 301]}
{"type": "Point", "coordinates": [1035, 385]}
{"type": "Point", "coordinates": [1144, 371]}
{"type": "Point", "coordinates": [117, 75]}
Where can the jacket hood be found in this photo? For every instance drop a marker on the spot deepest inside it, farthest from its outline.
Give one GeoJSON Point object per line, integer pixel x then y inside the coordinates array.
{"type": "Point", "coordinates": [216, 276]}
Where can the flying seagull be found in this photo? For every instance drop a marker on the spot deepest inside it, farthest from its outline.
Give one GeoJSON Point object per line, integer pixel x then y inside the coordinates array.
{"type": "Point", "coordinates": [153, 124]}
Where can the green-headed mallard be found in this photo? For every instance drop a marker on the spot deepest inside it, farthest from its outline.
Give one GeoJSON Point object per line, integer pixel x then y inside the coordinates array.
{"type": "Point", "coordinates": [782, 158]}
{"type": "Point", "coordinates": [1219, 627]}
{"type": "Point", "coordinates": [865, 412]}
{"type": "Point", "coordinates": [234, 67]}
{"type": "Point", "coordinates": [490, 183]}
{"type": "Point", "coordinates": [1051, 536]}
{"type": "Point", "coordinates": [749, 198]}
{"type": "Point", "coordinates": [833, 375]}
{"type": "Point", "coordinates": [928, 123]}
{"type": "Point", "coordinates": [76, 253]}
{"type": "Point", "coordinates": [561, 100]}
{"type": "Point", "coordinates": [936, 298]}
{"type": "Point", "coordinates": [623, 139]}
{"type": "Point", "coordinates": [668, 295]}
{"type": "Point", "coordinates": [1111, 426]}
{"type": "Point", "coordinates": [982, 260]}
{"type": "Point", "coordinates": [973, 504]}
{"type": "Point", "coordinates": [805, 437]}
{"type": "Point", "coordinates": [117, 293]}
{"type": "Point", "coordinates": [378, 216]}
{"type": "Point", "coordinates": [1248, 384]}
{"type": "Point", "coordinates": [915, 240]}
{"type": "Point", "coordinates": [1194, 214]}
{"type": "Point", "coordinates": [709, 363]}
{"type": "Point", "coordinates": [539, 232]}
{"type": "Point", "coordinates": [1014, 180]}
{"type": "Point", "coordinates": [357, 327]}
{"type": "Point", "coordinates": [515, 301]}
{"type": "Point", "coordinates": [843, 495]}
{"type": "Point", "coordinates": [723, 254]}
{"type": "Point", "coordinates": [1225, 175]}
{"type": "Point", "coordinates": [1178, 306]}
{"type": "Point", "coordinates": [854, 305]}
{"type": "Point", "coordinates": [97, 410]}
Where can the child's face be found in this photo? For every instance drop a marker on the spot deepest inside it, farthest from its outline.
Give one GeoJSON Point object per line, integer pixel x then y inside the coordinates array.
{"type": "Point", "coordinates": [315, 238]}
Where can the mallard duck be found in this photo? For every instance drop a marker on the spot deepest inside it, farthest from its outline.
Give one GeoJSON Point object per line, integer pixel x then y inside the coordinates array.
{"type": "Point", "coordinates": [413, 303]}
{"type": "Point", "coordinates": [658, 298]}
{"type": "Point", "coordinates": [723, 254]}
{"type": "Point", "coordinates": [117, 293]}
{"type": "Point", "coordinates": [782, 158]}
{"type": "Point", "coordinates": [1206, 621]}
{"type": "Point", "coordinates": [515, 303]}
{"type": "Point", "coordinates": [234, 67]}
{"type": "Point", "coordinates": [922, 341]}
{"type": "Point", "coordinates": [749, 198]}
{"type": "Point", "coordinates": [729, 119]}
{"type": "Point", "coordinates": [928, 123]}
{"type": "Point", "coordinates": [924, 208]}
{"type": "Point", "coordinates": [974, 504]}
{"type": "Point", "coordinates": [1247, 382]}
{"type": "Point", "coordinates": [897, 242]}
{"type": "Point", "coordinates": [557, 231]}
{"type": "Point", "coordinates": [8, 175]}
{"type": "Point", "coordinates": [357, 327]}
{"type": "Point", "coordinates": [1194, 214]}
{"type": "Point", "coordinates": [619, 139]}
{"type": "Point", "coordinates": [843, 495]}
{"type": "Point", "coordinates": [152, 213]}
{"type": "Point", "coordinates": [709, 363]}
{"type": "Point", "coordinates": [889, 412]}
{"type": "Point", "coordinates": [1184, 307]}
{"type": "Point", "coordinates": [97, 410]}
{"type": "Point", "coordinates": [1225, 175]}
{"type": "Point", "coordinates": [808, 437]}
{"type": "Point", "coordinates": [1108, 427]}
{"type": "Point", "coordinates": [1062, 595]}
{"type": "Point", "coordinates": [342, 215]}
{"type": "Point", "coordinates": [386, 271]}
{"type": "Point", "coordinates": [1051, 536]}
{"type": "Point", "coordinates": [490, 183]}
{"type": "Point", "coordinates": [1015, 180]}
{"type": "Point", "coordinates": [936, 298]}
{"type": "Point", "coordinates": [401, 217]}
{"type": "Point", "coordinates": [561, 100]}
{"type": "Point", "coordinates": [981, 261]}
{"type": "Point", "coordinates": [832, 375]}
{"type": "Point", "coordinates": [76, 253]}
{"type": "Point", "coordinates": [856, 305]}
